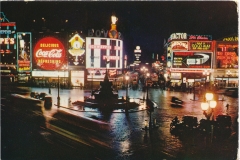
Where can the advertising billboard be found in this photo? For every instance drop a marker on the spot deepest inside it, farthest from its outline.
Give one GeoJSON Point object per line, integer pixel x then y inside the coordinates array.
{"type": "Point", "coordinates": [7, 35]}
{"type": "Point", "coordinates": [200, 45]}
{"type": "Point", "coordinates": [76, 51]}
{"type": "Point", "coordinates": [24, 51]}
{"type": "Point", "coordinates": [98, 74]}
{"type": "Point", "coordinates": [226, 55]}
{"type": "Point", "coordinates": [201, 60]}
{"type": "Point", "coordinates": [104, 52]}
{"type": "Point", "coordinates": [49, 54]}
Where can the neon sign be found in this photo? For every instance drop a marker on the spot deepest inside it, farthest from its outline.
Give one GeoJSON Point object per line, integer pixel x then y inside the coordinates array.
{"type": "Point", "coordinates": [49, 53]}
{"type": "Point", "coordinates": [111, 57]}
{"type": "Point", "coordinates": [199, 37]}
{"type": "Point", "coordinates": [192, 60]}
{"type": "Point", "coordinates": [229, 39]}
{"type": "Point", "coordinates": [179, 45]}
{"type": "Point", "coordinates": [198, 45]}
{"type": "Point", "coordinates": [226, 56]}
{"type": "Point", "coordinates": [104, 47]}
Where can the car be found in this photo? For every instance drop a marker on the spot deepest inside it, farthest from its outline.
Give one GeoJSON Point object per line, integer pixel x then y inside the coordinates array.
{"type": "Point", "coordinates": [42, 95]}
{"type": "Point", "coordinates": [232, 92]}
{"type": "Point", "coordinates": [187, 125]}
{"type": "Point", "coordinates": [223, 125]}
{"type": "Point", "coordinates": [34, 95]}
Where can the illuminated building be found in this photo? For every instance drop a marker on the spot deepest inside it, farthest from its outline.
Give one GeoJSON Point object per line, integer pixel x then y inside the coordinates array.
{"type": "Point", "coordinates": [8, 37]}
{"type": "Point", "coordinates": [104, 53]}
{"type": "Point", "coordinates": [188, 56]}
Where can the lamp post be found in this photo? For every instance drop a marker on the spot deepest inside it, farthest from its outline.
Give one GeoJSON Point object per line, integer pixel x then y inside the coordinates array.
{"type": "Point", "coordinates": [144, 70]}
{"type": "Point", "coordinates": [65, 67]}
{"type": "Point", "coordinates": [92, 72]}
{"type": "Point", "coordinates": [209, 103]}
{"type": "Point", "coordinates": [148, 103]}
{"type": "Point", "coordinates": [228, 74]}
{"type": "Point", "coordinates": [58, 98]}
{"type": "Point", "coordinates": [127, 78]}
{"type": "Point", "coordinates": [126, 108]}
{"type": "Point", "coordinates": [206, 74]}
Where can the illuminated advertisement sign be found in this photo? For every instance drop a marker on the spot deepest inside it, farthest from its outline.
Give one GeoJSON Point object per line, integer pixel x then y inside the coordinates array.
{"type": "Point", "coordinates": [76, 51]}
{"type": "Point", "coordinates": [226, 56]}
{"type": "Point", "coordinates": [179, 45]}
{"type": "Point", "coordinates": [24, 51]}
{"type": "Point", "coordinates": [104, 51]}
{"type": "Point", "coordinates": [200, 45]}
{"type": "Point", "coordinates": [98, 74]}
{"type": "Point", "coordinates": [192, 60]}
{"type": "Point", "coordinates": [199, 37]}
{"type": "Point", "coordinates": [231, 39]}
{"type": "Point", "coordinates": [7, 34]}
{"type": "Point", "coordinates": [177, 36]}
{"type": "Point", "coordinates": [49, 54]}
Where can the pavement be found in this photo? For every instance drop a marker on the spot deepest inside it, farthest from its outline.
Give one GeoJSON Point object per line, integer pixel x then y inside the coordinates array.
{"type": "Point", "coordinates": [131, 142]}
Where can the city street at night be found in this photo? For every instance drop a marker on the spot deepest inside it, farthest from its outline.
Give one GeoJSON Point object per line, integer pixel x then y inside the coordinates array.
{"type": "Point", "coordinates": [126, 138]}
{"type": "Point", "coordinates": [119, 80]}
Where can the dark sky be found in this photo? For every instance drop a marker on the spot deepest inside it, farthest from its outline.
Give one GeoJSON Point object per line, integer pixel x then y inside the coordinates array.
{"type": "Point", "coordinates": [143, 23]}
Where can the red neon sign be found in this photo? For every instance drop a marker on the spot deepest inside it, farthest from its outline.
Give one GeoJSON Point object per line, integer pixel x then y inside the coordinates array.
{"type": "Point", "coordinates": [49, 53]}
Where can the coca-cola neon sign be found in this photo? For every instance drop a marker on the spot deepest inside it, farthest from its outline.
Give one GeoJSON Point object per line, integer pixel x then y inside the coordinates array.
{"type": "Point", "coordinates": [49, 53]}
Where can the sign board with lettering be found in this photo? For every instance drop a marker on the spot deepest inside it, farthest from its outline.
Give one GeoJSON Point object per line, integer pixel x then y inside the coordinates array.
{"type": "Point", "coordinates": [99, 51]}
{"type": "Point", "coordinates": [49, 54]}
{"type": "Point", "coordinates": [192, 60]}
{"type": "Point", "coordinates": [200, 45]}
{"type": "Point", "coordinates": [7, 35]}
{"type": "Point", "coordinates": [177, 36]}
{"type": "Point", "coordinates": [226, 55]}
{"type": "Point", "coordinates": [179, 45]}
{"type": "Point", "coordinates": [199, 37]}
{"type": "Point", "coordinates": [24, 51]}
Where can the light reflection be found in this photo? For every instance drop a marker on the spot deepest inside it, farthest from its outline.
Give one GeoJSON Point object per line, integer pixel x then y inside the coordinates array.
{"type": "Point", "coordinates": [124, 147]}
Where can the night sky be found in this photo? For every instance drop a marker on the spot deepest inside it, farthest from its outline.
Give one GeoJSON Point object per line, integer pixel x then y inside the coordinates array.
{"type": "Point", "coordinates": [143, 23]}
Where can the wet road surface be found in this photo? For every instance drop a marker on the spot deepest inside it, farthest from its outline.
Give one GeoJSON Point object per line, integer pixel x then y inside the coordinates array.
{"type": "Point", "coordinates": [130, 141]}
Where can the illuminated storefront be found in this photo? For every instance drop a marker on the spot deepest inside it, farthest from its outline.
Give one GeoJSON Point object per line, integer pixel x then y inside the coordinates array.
{"type": "Point", "coordinates": [102, 53]}
{"type": "Point", "coordinates": [24, 56]}
{"type": "Point", "coordinates": [49, 59]}
{"type": "Point", "coordinates": [8, 36]}
{"type": "Point", "coordinates": [226, 62]}
{"type": "Point", "coordinates": [187, 57]}
{"type": "Point", "coordinates": [76, 60]}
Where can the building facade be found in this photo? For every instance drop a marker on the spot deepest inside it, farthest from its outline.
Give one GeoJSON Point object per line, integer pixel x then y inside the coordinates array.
{"type": "Point", "coordinates": [197, 60]}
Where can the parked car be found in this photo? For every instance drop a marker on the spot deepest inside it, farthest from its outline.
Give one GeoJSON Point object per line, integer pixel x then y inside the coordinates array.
{"type": "Point", "coordinates": [232, 92]}
{"type": "Point", "coordinates": [223, 125]}
{"type": "Point", "coordinates": [34, 95]}
{"type": "Point", "coordinates": [42, 95]}
{"type": "Point", "coordinates": [188, 125]}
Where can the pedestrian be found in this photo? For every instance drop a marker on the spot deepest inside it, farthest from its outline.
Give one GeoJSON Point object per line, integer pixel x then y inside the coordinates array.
{"type": "Point", "coordinates": [227, 106]}
{"type": "Point", "coordinates": [49, 90]}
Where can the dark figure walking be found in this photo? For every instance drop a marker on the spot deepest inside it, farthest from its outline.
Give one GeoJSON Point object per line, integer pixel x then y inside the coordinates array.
{"type": "Point", "coordinates": [49, 90]}
{"type": "Point", "coordinates": [227, 106]}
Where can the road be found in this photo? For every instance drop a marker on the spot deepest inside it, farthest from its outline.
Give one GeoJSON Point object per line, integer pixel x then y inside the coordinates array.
{"type": "Point", "coordinates": [130, 141]}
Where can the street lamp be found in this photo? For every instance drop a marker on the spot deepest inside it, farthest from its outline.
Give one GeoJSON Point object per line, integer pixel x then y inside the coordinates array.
{"type": "Point", "coordinates": [126, 78]}
{"type": "Point", "coordinates": [206, 74]}
{"type": "Point", "coordinates": [58, 98]}
{"type": "Point", "coordinates": [228, 74]}
{"type": "Point", "coordinates": [65, 67]}
{"type": "Point", "coordinates": [149, 104]}
{"type": "Point", "coordinates": [210, 103]}
{"type": "Point", "coordinates": [148, 74]}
